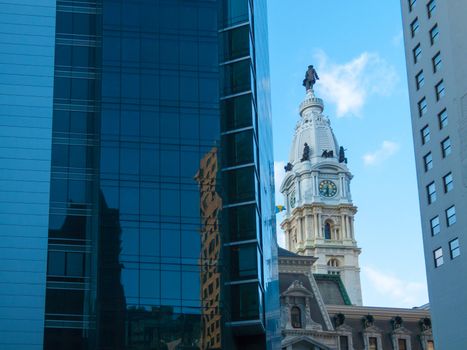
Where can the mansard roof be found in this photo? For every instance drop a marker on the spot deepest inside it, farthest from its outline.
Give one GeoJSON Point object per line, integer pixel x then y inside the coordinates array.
{"type": "Point", "coordinates": [332, 289]}
{"type": "Point", "coordinates": [286, 253]}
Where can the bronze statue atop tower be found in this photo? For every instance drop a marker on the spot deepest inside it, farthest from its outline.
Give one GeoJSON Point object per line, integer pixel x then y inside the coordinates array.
{"type": "Point", "coordinates": [310, 78]}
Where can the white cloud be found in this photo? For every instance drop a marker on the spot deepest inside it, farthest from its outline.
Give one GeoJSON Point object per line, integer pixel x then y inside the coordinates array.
{"type": "Point", "coordinates": [395, 290]}
{"type": "Point", "coordinates": [387, 149]}
{"type": "Point", "coordinates": [279, 174]}
{"type": "Point", "coordinates": [397, 39]}
{"type": "Point", "coordinates": [349, 85]}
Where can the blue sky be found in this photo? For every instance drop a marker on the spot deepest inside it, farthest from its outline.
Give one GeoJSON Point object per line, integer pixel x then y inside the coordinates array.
{"type": "Point", "coordinates": [357, 48]}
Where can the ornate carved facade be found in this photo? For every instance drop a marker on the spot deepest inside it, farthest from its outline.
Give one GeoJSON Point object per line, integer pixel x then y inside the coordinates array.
{"type": "Point", "coordinates": [316, 315]}
{"type": "Point", "coordinates": [320, 212]}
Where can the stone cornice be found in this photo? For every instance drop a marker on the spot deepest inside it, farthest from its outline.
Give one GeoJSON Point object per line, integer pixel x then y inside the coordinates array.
{"type": "Point", "coordinates": [381, 313]}
{"type": "Point", "coordinates": [317, 334]}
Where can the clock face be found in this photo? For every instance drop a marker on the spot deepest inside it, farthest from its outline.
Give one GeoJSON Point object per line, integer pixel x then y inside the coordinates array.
{"type": "Point", "coordinates": [292, 200]}
{"type": "Point", "coordinates": [327, 188]}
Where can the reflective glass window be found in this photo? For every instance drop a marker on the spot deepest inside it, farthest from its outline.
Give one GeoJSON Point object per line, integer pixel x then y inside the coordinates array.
{"type": "Point", "coordinates": [434, 34]}
{"type": "Point", "coordinates": [74, 264]}
{"type": "Point", "coordinates": [64, 301]}
{"type": "Point", "coordinates": [451, 215]}
{"type": "Point", "coordinates": [64, 22]}
{"type": "Point", "coordinates": [244, 261]}
{"type": "Point", "coordinates": [438, 257]}
{"type": "Point", "coordinates": [443, 118]}
{"type": "Point", "coordinates": [236, 77]}
{"type": "Point", "coordinates": [435, 226]}
{"type": "Point", "coordinates": [245, 301]}
{"type": "Point", "coordinates": [77, 156]}
{"type": "Point", "coordinates": [236, 112]}
{"type": "Point", "coordinates": [236, 43]}
{"type": "Point", "coordinates": [414, 27]}
{"type": "Point", "coordinates": [454, 248]}
{"type": "Point", "coordinates": [84, 23]}
{"type": "Point", "coordinates": [446, 147]}
{"type": "Point", "coordinates": [417, 51]}
{"type": "Point", "coordinates": [420, 79]}
{"type": "Point", "coordinates": [238, 148]}
{"type": "Point", "coordinates": [62, 88]}
{"type": "Point", "coordinates": [240, 222]}
{"type": "Point", "coordinates": [235, 11]}
{"type": "Point", "coordinates": [431, 8]}
{"type": "Point", "coordinates": [448, 182]}
{"type": "Point", "coordinates": [422, 107]}
{"type": "Point", "coordinates": [56, 263]}
{"type": "Point", "coordinates": [440, 90]}
{"type": "Point", "coordinates": [240, 184]}
{"type": "Point", "coordinates": [431, 192]}
{"type": "Point", "coordinates": [425, 134]}
{"type": "Point", "coordinates": [437, 62]}
{"type": "Point", "coordinates": [63, 54]}
{"type": "Point", "coordinates": [60, 154]}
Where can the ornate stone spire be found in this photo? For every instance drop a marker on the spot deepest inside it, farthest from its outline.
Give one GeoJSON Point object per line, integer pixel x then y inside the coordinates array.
{"type": "Point", "coordinates": [313, 133]}
{"type": "Point", "coordinates": [316, 187]}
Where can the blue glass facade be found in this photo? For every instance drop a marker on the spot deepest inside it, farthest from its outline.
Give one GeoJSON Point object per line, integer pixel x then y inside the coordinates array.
{"type": "Point", "coordinates": [26, 90]}
{"type": "Point", "coordinates": [159, 162]}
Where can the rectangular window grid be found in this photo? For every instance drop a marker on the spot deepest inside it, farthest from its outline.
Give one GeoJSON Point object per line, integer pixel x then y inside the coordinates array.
{"type": "Point", "coordinates": [431, 192]}
{"type": "Point", "coordinates": [414, 26]}
{"type": "Point", "coordinates": [440, 90]}
{"type": "Point", "coordinates": [417, 51]}
{"type": "Point", "coordinates": [451, 215]}
{"type": "Point", "coordinates": [446, 147]}
{"type": "Point", "coordinates": [431, 7]}
{"type": "Point", "coordinates": [434, 34]}
{"type": "Point", "coordinates": [438, 256]}
{"type": "Point", "coordinates": [419, 80]}
{"type": "Point", "coordinates": [443, 118]}
{"type": "Point", "coordinates": [448, 184]}
{"type": "Point", "coordinates": [422, 107]}
{"type": "Point", "coordinates": [437, 62]}
{"type": "Point", "coordinates": [454, 248]}
{"type": "Point", "coordinates": [435, 226]}
{"type": "Point", "coordinates": [425, 134]}
{"type": "Point", "coordinates": [428, 161]}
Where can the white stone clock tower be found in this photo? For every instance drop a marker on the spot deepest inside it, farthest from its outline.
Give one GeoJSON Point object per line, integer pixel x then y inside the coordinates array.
{"type": "Point", "coordinates": [320, 212]}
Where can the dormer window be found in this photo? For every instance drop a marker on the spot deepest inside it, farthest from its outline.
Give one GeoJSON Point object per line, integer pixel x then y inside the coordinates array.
{"type": "Point", "coordinates": [296, 317]}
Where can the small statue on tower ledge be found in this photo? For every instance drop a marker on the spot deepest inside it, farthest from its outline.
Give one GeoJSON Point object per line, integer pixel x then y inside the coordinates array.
{"type": "Point", "coordinates": [306, 152]}
{"type": "Point", "coordinates": [310, 78]}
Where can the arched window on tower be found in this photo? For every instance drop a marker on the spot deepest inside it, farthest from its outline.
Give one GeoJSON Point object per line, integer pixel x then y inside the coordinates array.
{"type": "Point", "coordinates": [327, 230]}
{"type": "Point", "coordinates": [296, 317]}
{"type": "Point", "coordinates": [333, 262]}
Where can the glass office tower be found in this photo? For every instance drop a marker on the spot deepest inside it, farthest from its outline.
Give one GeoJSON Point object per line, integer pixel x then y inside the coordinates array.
{"type": "Point", "coordinates": [153, 161]}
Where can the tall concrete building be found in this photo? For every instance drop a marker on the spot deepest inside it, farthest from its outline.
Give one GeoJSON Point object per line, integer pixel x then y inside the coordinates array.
{"type": "Point", "coordinates": [136, 176]}
{"type": "Point", "coordinates": [319, 221]}
{"type": "Point", "coordinates": [435, 36]}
